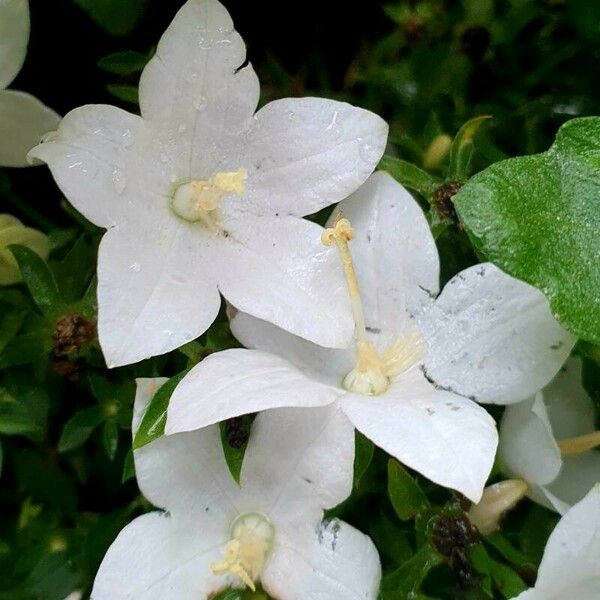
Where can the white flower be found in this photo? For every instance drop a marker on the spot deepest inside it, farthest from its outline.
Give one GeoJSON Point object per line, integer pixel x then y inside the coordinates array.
{"type": "Point", "coordinates": [561, 472]}
{"type": "Point", "coordinates": [201, 195]}
{"type": "Point", "coordinates": [12, 231]}
{"type": "Point", "coordinates": [487, 337]}
{"type": "Point", "coordinates": [217, 534]}
{"type": "Point", "coordinates": [23, 118]}
{"type": "Point", "coordinates": [569, 568]}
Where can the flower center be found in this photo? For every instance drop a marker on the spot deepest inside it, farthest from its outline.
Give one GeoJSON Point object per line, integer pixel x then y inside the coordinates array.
{"type": "Point", "coordinates": [252, 536]}
{"type": "Point", "coordinates": [198, 200]}
{"type": "Point", "coordinates": [374, 370]}
{"type": "Point", "coordinates": [580, 444]}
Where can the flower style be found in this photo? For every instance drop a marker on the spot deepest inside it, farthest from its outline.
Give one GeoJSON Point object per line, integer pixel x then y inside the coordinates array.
{"type": "Point", "coordinates": [23, 118]}
{"type": "Point", "coordinates": [559, 473]}
{"type": "Point", "coordinates": [270, 528]}
{"type": "Point", "coordinates": [569, 567]}
{"type": "Point", "coordinates": [12, 231]}
{"type": "Point", "coordinates": [201, 195]}
{"type": "Point", "coordinates": [420, 363]}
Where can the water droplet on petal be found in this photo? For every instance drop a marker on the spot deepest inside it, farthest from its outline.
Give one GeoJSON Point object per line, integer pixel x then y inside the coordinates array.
{"type": "Point", "coordinates": [200, 103]}
{"type": "Point", "coordinates": [127, 139]}
{"type": "Point", "coordinates": [119, 180]}
{"type": "Point", "coordinates": [135, 267]}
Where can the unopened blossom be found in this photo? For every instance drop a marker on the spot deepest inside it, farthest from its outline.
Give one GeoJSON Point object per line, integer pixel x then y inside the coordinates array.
{"type": "Point", "coordinates": [12, 231]}
{"type": "Point", "coordinates": [549, 441]}
{"type": "Point", "coordinates": [420, 362]}
{"type": "Point", "coordinates": [23, 119]}
{"type": "Point", "coordinates": [569, 568]}
{"type": "Point", "coordinates": [269, 529]}
{"type": "Point", "coordinates": [201, 194]}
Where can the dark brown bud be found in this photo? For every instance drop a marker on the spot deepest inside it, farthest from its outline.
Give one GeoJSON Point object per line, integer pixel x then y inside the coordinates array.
{"type": "Point", "coordinates": [442, 200]}
{"type": "Point", "coordinates": [237, 430]}
{"type": "Point", "coordinates": [72, 332]}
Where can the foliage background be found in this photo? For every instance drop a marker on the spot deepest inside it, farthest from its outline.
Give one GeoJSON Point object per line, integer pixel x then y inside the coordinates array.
{"type": "Point", "coordinates": [67, 484]}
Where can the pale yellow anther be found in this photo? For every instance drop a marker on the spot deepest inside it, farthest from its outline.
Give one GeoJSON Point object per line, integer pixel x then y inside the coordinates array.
{"type": "Point", "coordinates": [580, 444]}
{"type": "Point", "coordinates": [198, 200]}
{"type": "Point", "coordinates": [373, 371]}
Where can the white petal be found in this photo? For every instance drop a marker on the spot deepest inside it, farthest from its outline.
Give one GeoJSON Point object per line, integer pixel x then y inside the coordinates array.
{"type": "Point", "coordinates": [570, 409]}
{"type": "Point", "coordinates": [103, 159]}
{"type": "Point", "coordinates": [159, 557]}
{"type": "Point", "coordinates": [569, 568]}
{"type": "Point", "coordinates": [156, 289]}
{"type": "Point", "coordinates": [335, 562]}
{"type": "Point", "coordinates": [527, 448]}
{"type": "Point", "coordinates": [23, 122]}
{"type": "Point", "coordinates": [192, 93]}
{"type": "Point", "coordinates": [493, 338]}
{"type": "Point", "coordinates": [327, 365]}
{"type": "Point", "coordinates": [237, 382]}
{"type": "Point", "coordinates": [577, 477]}
{"type": "Point", "coordinates": [394, 253]}
{"type": "Point", "coordinates": [445, 437]}
{"type": "Point", "coordinates": [306, 153]}
{"type": "Point", "coordinates": [186, 473]}
{"type": "Point", "coordinates": [299, 462]}
{"type": "Point", "coordinates": [276, 269]}
{"type": "Point", "coordinates": [14, 35]}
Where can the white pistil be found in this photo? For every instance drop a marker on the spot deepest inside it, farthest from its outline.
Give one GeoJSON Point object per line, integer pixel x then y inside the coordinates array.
{"type": "Point", "coordinates": [198, 201]}
{"type": "Point", "coordinates": [245, 555]}
{"type": "Point", "coordinates": [580, 444]}
{"type": "Point", "coordinates": [373, 370]}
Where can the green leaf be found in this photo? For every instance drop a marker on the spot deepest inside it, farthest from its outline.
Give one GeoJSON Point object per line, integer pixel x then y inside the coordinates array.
{"type": "Point", "coordinates": [508, 583]}
{"type": "Point", "coordinates": [235, 434]}
{"type": "Point", "coordinates": [79, 427]}
{"type": "Point", "coordinates": [110, 438]}
{"type": "Point", "coordinates": [538, 218]}
{"type": "Point", "coordinates": [406, 496]}
{"type": "Point", "coordinates": [152, 425]}
{"type": "Point", "coordinates": [409, 175]}
{"type": "Point", "coordinates": [127, 93]}
{"type": "Point", "coordinates": [39, 280]}
{"type": "Point", "coordinates": [27, 348]}
{"type": "Point", "coordinates": [10, 323]}
{"type": "Point", "coordinates": [128, 467]}
{"type": "Point", "coordinates": [363, 455]}
{"type": "Point", "coordinates": [461, 151]}
{"type": "Point", "coordinates": [114, 16]}
{"type": "Point", "coordinates": [404, 582]}
{"type": "Point", "coordinates": [127, 62]}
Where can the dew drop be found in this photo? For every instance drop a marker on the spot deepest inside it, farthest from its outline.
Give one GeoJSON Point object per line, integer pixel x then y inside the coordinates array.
{"type": "Point", "coordinates": [200, 103]}
{"type": "Point", "coordinates": [127, 139]}
{"type": "Point", "coordinates": [135, 267]}
{"type": "Point", "coordinates": [119, 180]}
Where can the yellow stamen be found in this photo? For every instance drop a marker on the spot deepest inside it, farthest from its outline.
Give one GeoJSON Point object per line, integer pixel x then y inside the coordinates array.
{"type": "Point", "coordinates": [199, 199]}
{"type": "Point", "coordinates": [233, 565]}
{"type": "Point", "coordinates": [580, 444]}
{"type": "Point", "coordinates": [252, 535]}
{"type": "Point", "coordinates": [373, 370]}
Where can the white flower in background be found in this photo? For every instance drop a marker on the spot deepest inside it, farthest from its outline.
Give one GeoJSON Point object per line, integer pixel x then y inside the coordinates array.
{"type": "Point", "coordinates": [23, 118]}
{"type": "Point", "coordinates": [201, 195]}
{"type": "Point", "coordinates": [12, 231]}
{"type": "Point", "coordinates": [549, 440]}
{"type": "Point", "coordinates": [569, 568]}
{"type": "Point", "coordinates": [420, 363]}
{"type": "Point", "coordinates": [269, 529]}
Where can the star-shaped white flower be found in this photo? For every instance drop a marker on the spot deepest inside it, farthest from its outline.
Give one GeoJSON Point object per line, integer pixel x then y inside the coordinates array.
{"type": "Point", "coordinates": [549, 440]}
{"type": "Point", "coordinates": [201, 195]}
{"type": "Point", "coordinates": [422, 364]}
{"type": "Point", "coordinates": [569, 568]}
{"type": "Point", "coordinates": [269, 529]}
{"type": "Point", "coordinates": [23, 118]}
